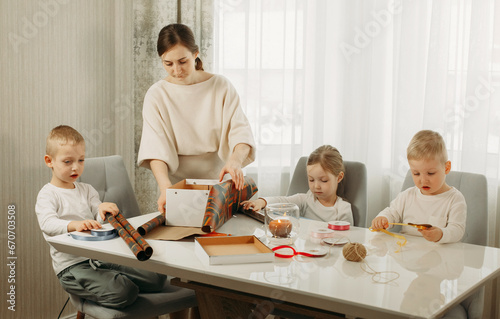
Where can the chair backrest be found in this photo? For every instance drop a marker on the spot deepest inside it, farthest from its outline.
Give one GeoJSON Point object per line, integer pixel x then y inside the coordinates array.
{"type": "Point", "coordinates": [109, 177]}
{"type": "Point", "coordinates": [352, 188]}
{"type": "Point", "coordinates": [475, 190]}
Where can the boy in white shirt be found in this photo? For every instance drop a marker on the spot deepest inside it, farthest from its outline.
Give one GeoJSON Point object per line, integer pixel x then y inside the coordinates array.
{"type": "Point", "coordinates": [431, 200]}
{"type": "Point", "coordinates": [65, 205]}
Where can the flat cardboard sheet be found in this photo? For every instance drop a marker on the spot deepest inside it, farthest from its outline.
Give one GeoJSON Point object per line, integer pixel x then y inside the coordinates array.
{"type": "Point", "coordinates": [163, 232]}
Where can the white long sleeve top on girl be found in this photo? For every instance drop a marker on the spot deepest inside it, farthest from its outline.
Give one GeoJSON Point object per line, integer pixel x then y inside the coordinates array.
{"type": "Point", "coordinates": [193, 128]}
{"type": "Point", "coordinates": [311, 208]}
{"type": "Point", "coordinates": [56, 207]}
{"type": "Point", "coordinates": [447, 211]}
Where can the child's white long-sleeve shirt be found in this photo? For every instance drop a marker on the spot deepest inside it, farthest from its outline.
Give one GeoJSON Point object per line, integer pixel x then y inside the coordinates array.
{"type": "Point", "coordinates": [447, 211]}
{"type": "Point", "coordinates": [311, 208]}
{"type": "Point", "coordinates": [56, 207]}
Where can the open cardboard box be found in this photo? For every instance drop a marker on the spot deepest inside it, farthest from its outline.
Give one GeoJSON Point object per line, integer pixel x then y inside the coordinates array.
{"type": "Point", "coordinates": [187, 202]}
{"type": "Point", "coordinates": [232, 250]}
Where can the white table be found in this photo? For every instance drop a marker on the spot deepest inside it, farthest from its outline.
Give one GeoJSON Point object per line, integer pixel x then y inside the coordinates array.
{"type": "Point", "coordinates": [433, 277]}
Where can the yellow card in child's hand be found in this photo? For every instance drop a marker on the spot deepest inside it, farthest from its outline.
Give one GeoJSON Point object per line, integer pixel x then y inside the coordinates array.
{"type": "Point", "coordinates": [419, 226]}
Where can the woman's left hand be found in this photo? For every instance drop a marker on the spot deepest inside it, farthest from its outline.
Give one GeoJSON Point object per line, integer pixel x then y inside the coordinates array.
{"type": "Point", "coordinates": [233, 168]}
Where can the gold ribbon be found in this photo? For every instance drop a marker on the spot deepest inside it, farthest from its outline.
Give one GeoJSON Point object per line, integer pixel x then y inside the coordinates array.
{"type": "Point", "coordinates": [400, 244]}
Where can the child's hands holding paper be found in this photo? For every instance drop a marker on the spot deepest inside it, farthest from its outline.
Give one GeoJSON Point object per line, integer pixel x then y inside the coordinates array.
{"type": "Point", "coordinates": [380, 223]}
{"type": "Point", "coordinates": [433, 234]}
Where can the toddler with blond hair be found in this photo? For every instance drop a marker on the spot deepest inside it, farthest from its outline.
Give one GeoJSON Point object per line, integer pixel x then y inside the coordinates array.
{"type": "Point", "coordinates": [431, 200]}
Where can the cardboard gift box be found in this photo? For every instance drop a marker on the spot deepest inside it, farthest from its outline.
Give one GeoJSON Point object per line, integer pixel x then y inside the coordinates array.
{"type": "Point", "coordinates": [205, 203]}
{"type": "Point", "coordinates": [232, 250]}
{"type": "Point", "coordinates": [187, 201]}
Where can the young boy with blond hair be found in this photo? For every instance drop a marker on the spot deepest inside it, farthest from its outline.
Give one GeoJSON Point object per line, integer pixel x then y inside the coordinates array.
{"type": "Point", "coordinates": [65, 205]}
{"type": "Point", "coordinates": [431, 200]}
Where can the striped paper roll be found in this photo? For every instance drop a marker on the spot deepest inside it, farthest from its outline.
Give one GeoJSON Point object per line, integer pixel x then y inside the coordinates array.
{"type": "Point", "coordinates": [152, 224]}
{"type": "Point", "coordinates": [135, 234]}
{"type": "Point", "coordinates": [224, 200]}
{"type": "Point", "coordinates": [129, 240]}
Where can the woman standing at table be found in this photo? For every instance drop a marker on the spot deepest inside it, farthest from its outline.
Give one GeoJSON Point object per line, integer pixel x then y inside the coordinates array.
{"type": "Point", "coordinates": [193, 124]}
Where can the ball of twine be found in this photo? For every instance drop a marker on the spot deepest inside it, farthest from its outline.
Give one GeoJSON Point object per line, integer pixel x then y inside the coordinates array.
{"type": "Point", "coordinates": [354, 252]}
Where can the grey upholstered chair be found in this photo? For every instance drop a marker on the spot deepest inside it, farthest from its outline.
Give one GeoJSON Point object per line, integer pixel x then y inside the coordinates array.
{"type": "Point", "coordinates": [352, 187]}
{"type": "Point", "coordinates": [475, 190]}
{"type": "Point", "coordinates": [109, 177]}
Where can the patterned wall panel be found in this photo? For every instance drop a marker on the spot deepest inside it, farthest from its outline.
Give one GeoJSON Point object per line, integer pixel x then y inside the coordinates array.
{"type": "Point", "coordinates": [62, 62]}
{"type": "Point", "coordinates": [150, 17]}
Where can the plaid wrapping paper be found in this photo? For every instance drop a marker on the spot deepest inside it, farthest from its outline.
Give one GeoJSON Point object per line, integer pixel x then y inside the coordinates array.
{"type": "Point", "coordinates": [135, 235]}
{"type": "Point", "coordinates": [139, 253]}
{"type": "Point", "coordinates": [152, 224]}
{"type": "Point", "coordinates": [223, 201]}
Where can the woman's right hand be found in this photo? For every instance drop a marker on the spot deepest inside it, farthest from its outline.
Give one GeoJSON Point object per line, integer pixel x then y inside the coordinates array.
{"type": "Point", "coordinates": [160, 172]}
{"type": "Point", "coordinates": [162, 201]}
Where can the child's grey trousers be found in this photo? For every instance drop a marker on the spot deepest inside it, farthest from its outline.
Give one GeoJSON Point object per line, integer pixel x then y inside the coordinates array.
{"type": "Point", "coordinates": [110, 285]}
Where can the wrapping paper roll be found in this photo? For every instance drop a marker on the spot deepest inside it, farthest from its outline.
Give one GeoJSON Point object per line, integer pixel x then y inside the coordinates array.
{"type": "Point", "coordinates": [223, 201]}
{"type": "Point", "coordinates": [135, 234]}
{"type": "Point", "coordinates": [129, 240]}
{"type": "Point", "coordinates": [152, 224]}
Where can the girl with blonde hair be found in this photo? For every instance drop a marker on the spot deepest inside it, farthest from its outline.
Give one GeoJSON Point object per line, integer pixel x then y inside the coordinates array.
{"type": "Point", "coordinates": [325, 170]}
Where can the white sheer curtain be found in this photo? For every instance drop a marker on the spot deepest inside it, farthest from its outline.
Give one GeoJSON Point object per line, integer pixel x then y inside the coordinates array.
{"type": "Point", "coordinates": [365, 76]}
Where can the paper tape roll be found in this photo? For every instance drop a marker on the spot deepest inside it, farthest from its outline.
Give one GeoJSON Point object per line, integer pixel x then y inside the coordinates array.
{"type": "Point", "coordinates": [317, 252]}
{"type": "Point", "coordinates": [95, 235]}
{"type": "Point", "coordinates": [321, 233]}
{"type": "Point", "coordinates": [102, 232]}
{"type": "Point", "coordinates": [339, 225]}
{"type": "Point", "coordinates": [335, 241]}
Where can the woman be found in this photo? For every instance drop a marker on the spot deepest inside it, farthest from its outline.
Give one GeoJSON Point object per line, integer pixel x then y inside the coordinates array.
{"type": "Point", "coordinates": [193, 124]}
